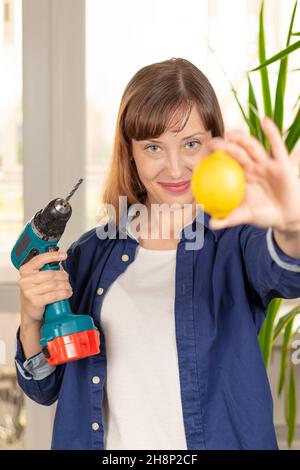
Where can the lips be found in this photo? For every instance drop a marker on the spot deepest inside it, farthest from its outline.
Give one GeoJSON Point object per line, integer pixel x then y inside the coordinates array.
{"type": "Point", "coordinates": [176, 187]}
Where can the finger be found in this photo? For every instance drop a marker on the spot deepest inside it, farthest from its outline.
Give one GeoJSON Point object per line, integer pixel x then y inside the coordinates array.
{"type": "Point", "coordinates": [50, 287]}
{"type": "Point", "coordinates": [253, 172]}
{"type": "Point", "coordinates": [279, 150]}
{"type": "Point", "coordinates": [250, 144]}
{"type": "Point", "coordinates": [241, 215]}
{"type": "Point", "coordinates": [43, 276]}
{"type": "Point", "coordinates": [207, 148]}
{"type": "Point", "coordinates": [235, 151]}
{"type": "Point", "coordinates": [39, 261]}
{"type": "Point", "coordinates": [55, 296]}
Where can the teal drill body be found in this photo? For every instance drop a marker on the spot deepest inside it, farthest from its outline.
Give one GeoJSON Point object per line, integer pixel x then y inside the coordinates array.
{"type": "Point", "coordinates": [69, 333]}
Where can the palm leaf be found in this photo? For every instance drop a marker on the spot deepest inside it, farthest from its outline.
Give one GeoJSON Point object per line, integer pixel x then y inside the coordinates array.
{"type": "Point", "coordinates": [247, 120]}
{"type": "Point", "coordinates": [266, 333]}
{"type": "Point", "coordinates": [293, 133]}
{"type": "Point", "coordinates": [278, 56]}
{"type": "Point", "coordinates": [298, 99]}
{"type": "Point", "coordinates": [254, 119]}
{"type": "Point", "coordinates": [284, 320]}
{"type": "Point", "coordinates": [284, 353]}
{"type": "Point", "coordinates": [289, 128]}
{"type": "Point", "coordinates": [263, 71]}
{"type": "Point", "coordinates": [281, 81]}
{"type": "Point", "coordinates": [291, 407]}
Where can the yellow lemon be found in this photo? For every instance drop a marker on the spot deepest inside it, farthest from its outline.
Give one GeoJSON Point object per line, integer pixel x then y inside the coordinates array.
{"type": "Point", "coordinates": [218, 182]}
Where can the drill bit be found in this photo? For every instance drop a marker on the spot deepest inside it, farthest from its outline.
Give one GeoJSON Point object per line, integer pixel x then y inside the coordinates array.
{"type": "Point", "coordinates": [74, 189]}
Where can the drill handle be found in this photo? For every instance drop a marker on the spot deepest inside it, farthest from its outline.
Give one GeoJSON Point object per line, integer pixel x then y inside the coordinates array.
{"type": "Point", "coordinates": [29, 245]}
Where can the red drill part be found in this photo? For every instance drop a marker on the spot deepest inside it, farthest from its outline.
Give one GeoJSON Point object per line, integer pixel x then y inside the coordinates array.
{"type": "Point", "coordinates": [72, 347]}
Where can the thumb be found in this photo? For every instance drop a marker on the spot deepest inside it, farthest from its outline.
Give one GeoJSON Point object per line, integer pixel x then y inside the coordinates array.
{"type": "Point", "coordinates": [236, 217]}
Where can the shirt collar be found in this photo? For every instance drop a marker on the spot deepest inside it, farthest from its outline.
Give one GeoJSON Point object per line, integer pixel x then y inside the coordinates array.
{"type": "Point", "coordinates": [202, 218]}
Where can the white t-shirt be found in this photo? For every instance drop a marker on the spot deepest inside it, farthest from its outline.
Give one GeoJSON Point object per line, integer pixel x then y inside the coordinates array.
{"type": "Point", "coordinates": [142, 403]}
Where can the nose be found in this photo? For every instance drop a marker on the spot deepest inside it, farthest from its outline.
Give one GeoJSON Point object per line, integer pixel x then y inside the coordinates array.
{"type": "Point", "coordinates": [175, 165]}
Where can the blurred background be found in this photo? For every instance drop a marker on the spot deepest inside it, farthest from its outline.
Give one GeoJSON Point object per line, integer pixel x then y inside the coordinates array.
{"type": "Point", "coordinates": [64, 65]}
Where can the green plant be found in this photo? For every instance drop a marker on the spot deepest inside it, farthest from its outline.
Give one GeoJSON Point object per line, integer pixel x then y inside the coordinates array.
{"type": "Point", "coordinates": [274, 326]}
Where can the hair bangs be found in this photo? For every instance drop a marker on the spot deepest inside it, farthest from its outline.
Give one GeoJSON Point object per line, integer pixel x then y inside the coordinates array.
{"type": "Point", "coordinates": [152, 119]}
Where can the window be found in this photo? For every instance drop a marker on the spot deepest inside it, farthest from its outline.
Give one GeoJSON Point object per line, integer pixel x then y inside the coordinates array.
{"type": "Point", "coordinates": [11, 154]}
{"type": "Point", "coordinates": [12, 419]}
{"type": "Point", "coordinates": [122, 37]}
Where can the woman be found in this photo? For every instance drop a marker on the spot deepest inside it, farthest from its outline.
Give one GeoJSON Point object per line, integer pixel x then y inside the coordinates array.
{"type": "Point", "coordinates": [180, 364]}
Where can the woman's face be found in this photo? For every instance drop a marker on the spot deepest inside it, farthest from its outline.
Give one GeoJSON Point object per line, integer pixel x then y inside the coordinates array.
{"type": "Point", "coordinates": [170, 159]}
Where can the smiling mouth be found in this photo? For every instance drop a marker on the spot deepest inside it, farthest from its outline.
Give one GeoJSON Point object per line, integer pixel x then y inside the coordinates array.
{"type": "Point", "coordinates": [180, 183]}
{"type": "Point", "coordinates": [176, 187]}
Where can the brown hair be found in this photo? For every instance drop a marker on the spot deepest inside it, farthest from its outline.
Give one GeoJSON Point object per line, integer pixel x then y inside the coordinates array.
{"type": "Point", "coordinates": [150, 100]}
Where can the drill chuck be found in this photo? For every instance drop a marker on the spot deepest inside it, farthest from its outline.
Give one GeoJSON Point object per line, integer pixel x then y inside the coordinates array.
{"type": "Point", "coordinates": [49, 223]}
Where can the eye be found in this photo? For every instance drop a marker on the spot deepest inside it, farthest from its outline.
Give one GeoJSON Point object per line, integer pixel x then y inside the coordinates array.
{"type": "Point", "coordinates": [194, 142]}
{"type": "Point", "coordinates": [151, 146]}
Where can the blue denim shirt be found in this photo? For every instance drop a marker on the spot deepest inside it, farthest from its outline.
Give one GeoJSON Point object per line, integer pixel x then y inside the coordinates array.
{"type": "Point", "coordinates": [221, 296]}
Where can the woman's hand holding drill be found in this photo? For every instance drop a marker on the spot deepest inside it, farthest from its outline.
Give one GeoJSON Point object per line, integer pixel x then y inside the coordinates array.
{"type": "Point", "coordinates": [38, 289]}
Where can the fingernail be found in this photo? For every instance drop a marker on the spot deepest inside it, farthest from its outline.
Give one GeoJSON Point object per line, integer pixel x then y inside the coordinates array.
{"type": "Point", "coordinates": [62, 255]}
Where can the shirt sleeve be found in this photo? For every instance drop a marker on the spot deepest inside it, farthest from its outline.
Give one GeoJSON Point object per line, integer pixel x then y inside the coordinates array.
{"type": "Point", "coordinates": [38, 380]}
{"type": "Point", "coordinates": [33, 368]}
{"type": "Point", "coordinates": [281, 258]}
{"type": "Point", "coordinates": [270, 271]}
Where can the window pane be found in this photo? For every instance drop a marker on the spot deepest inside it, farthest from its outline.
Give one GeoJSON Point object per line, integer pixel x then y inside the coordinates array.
{"type": "Point", "coordinates": [11, 153]}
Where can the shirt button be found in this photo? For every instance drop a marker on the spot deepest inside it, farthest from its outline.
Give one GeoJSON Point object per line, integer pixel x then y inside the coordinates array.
{"type": "Point", "coordinates": [100, 291]}
{"type": "Point", "coordinates": [95, 426]}
{"type": "Point", "coordinates": [96, 379]}
{"type": "Point", "coordinates": [125, 257]}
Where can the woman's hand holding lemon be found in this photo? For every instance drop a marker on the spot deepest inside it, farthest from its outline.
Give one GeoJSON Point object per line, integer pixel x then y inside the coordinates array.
{"type": "Point", "coordinates": [272, 189]}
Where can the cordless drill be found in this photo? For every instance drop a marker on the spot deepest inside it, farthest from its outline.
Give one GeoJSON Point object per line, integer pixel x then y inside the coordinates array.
{"type": "Point", "coordinates": [64, 336]}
